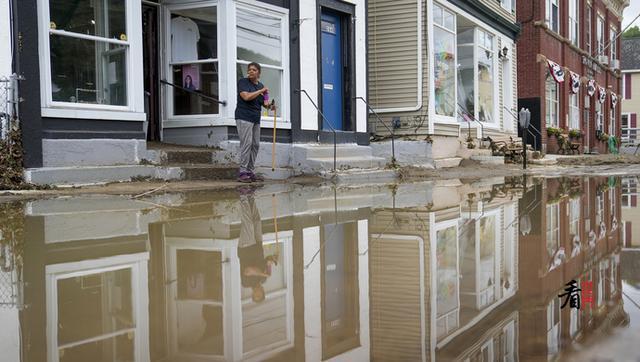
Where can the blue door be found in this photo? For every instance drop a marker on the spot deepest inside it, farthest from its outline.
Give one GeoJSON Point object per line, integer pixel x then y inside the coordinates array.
{"type": "Point", "coordinates": [332, 83]}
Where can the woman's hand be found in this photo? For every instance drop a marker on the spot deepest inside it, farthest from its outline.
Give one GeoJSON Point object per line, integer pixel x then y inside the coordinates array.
{"type": "Point", "coordinates": [263, 90]}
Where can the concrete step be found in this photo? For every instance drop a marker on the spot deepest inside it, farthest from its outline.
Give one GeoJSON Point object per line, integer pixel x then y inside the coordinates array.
{"type": "Point", "coordinates": [207, 172]}
{"type": "Point", "coordinates": [448, 162]}
{"type": "Point", "coordinates": [326, 163]}
{"type": "Point", "coordinates": [186, 157]}
{"type": "Point", "coordinates": [342, 150]}
{"type": "Point", "coordinates": [279, 173]}
{"type": "Point", "coordinates": [87, 175]}
{"type": "Point", "coordinates": [488, 160]}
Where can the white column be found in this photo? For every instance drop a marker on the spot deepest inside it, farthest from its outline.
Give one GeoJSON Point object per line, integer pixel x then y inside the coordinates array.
{"type": "Point", "coordinates": [5, 39]}
{"type": "Point", "coordinates": [308, 64]}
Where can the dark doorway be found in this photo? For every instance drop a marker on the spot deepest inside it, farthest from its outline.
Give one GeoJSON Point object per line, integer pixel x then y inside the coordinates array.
{"type": "Point", "coordinates": [151, 80]}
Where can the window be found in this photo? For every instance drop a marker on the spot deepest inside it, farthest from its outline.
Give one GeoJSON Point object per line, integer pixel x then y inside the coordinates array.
{"type": "Point", "coordinates": [600, 35]}
{"type": "Point", "coordinates": [259, 39]}
{"type": "Point", "coordinates": [86, 59]}
{"type": "Point", "coordinates": [574, 22]}
{"type": "Point", "coordinates": [588, 28]}
{"type": "Point", "coordinates": [599, 117]}
{"type": "Point", "coordinates": [574, 111]}
{"type": "Point", "coordinates": [444, 30]}
{"type": "Point", "coordinates": [552, 15]}
{"type": "Point", "coordinates": [612, 121]}
{"type": "Point", "coordinates": [509, 5]}
{"type": "Point", "coordinates": [553, 229]}
{"type": "Point", "coordinates": [194, 60]}
{"type": "Point", "coordinates": [485, 77]}
{"type": "Point", "coordinates": [552, 102]}
{"type": "Point", "coordinates": [613, 33]}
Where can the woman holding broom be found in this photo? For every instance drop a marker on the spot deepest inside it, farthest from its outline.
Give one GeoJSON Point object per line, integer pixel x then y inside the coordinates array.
{"type": "Point", "coordinates": [252, 95]}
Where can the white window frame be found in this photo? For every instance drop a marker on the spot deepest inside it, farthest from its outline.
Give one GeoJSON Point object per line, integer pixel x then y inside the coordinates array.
{"type": "Point", "coordinates": [494, 70]}
{"type": "Point", "coordinates": [613, 33]}
{"type": "Point", "coordinates": [227, 60]}
{"type": "Point", "coordinates": [600, 34]}
{"type": "Point", "coordinates": [134, 110]}
{"type": "Point", "coordinates": [599, 116]}
{"type": "Point", "coordinates": [553, 26]}
{"type": "Point", "coordinates": [573, 209]}
{"type": "Point", "coordinates": [574, 22]}
{"type": "Point", "coordinates": [589, 23]}
{"type": "Point", "coordinates": [574, 111]}
{"type": "Point", "coordinates": [612, 121]}
{"type": "Point", "coordinates": [508, 5]}
{"type": "Point", "coordinates": [168, 64]}
{"type": "Point", "coordinates": [433, 117]}
{"type": "Point", "coordinates": [439, 117]}
{"type": "Point", "coordinates": [552, 103]}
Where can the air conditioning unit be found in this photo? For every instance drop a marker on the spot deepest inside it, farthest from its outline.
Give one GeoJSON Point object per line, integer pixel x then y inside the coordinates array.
{"type": "Point", "coordinates": [603, 59]}
{"type": "Point", "coordinates": [615, 64]}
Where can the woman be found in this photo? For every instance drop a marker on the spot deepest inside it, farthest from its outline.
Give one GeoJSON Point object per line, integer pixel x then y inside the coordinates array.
{"type": "Point", "coordinates": [188, 83]}
{"type": "Point", "coordinates": [251, 96]}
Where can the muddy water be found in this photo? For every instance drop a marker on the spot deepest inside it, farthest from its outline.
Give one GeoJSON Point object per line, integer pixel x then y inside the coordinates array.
{"type": "Point", "coordinates": [410, 272]}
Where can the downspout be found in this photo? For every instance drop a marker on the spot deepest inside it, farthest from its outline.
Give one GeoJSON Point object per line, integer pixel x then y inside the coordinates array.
{"type": "Point", "coordinates": [420, 72]}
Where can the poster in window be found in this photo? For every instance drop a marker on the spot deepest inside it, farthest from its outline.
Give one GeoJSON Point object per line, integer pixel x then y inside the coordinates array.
{"type": "Point", "coordinates": [191, 77]}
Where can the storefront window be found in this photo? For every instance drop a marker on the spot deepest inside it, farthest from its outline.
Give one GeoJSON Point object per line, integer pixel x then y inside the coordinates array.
{"type": "Point", "coordinates": [466, 71]}
{"type": "Point", "coordinates": [88, 51]}
{"type": "Point", "coordinates": [194, 60]}
{"type": "Point", "coordinates": [485, 77]}
{"type": "Point", "coordinates": [444, 61]}
{"type": "Point", "coordinates": [574, 112]}
{"type": "Point", "coordinates": [259, 39]}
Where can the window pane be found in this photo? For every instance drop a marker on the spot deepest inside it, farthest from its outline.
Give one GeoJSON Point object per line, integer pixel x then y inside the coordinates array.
{"type": "Point", "coordinates": [272, 79]}
{"type": "Point", "coordinates": [466, 77]}
{"type": "Point", "coordinates": [444, 72]}
{"type": "Point", "coordinates": [94, 305]}
{"type": "Point", "coordinates": [199, 275]}
{"type": "Point", "coordinates": [485, 85]}
{"type": "Point", "coordinates": [118, 348]}
{"type": "Point", "coordinates": [201, 78]}
{"type": "Point", "coordinates": [200, 329]}
{"type": "Point", "coordinates": [194, 34]}
{"type": "Point", "coordinates": [259, 38]}
{"type": "Point", "coordinates": [106, 18]}
{"type": "Point", "coordinates": [85, 71]}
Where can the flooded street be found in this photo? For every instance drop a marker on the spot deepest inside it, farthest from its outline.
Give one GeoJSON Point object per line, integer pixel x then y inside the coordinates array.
{"type": "Point", "coordinates": [442, 270]}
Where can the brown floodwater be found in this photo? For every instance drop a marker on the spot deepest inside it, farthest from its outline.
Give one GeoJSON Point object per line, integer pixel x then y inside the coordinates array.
{"type": "Point", "coordinates": [422, 271]}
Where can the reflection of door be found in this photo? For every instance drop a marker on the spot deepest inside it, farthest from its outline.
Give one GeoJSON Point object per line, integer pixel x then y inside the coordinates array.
{"type": "Point", "coordinates": [332, 77]}
{"type": "Point", "coordinates": [150, 61]}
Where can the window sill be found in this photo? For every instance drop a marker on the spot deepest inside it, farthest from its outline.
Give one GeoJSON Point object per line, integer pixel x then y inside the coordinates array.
{"type": "Point", "coordinates": [93, 114]}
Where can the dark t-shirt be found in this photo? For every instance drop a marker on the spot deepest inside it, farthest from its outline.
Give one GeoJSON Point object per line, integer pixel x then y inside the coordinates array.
{"type": "Point", "coordinates": [252, 256]}
{"type": "Point", "coordinates": [249, 111]}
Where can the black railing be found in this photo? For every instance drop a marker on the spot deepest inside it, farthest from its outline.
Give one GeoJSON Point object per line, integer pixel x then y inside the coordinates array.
{"type": "Point", "coordinates": [393, 135]}
{"type": "Point", "coordinates": [199, 94]}
{"type": "Point", "coordinates": [473, 118]}
{"type": "Point", "coordinates": [326, 121]}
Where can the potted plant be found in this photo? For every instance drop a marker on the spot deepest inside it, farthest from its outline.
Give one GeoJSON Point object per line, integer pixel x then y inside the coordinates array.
{"type": "Point", "coordinates": [575, 134]}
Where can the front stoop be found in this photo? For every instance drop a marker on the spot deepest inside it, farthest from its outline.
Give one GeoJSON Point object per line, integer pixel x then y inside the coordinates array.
{"type": "Point", "coordinates": [87, 175]}
{"type": "Point", "coordinates": [319, 159]}
{"type": "Point", "coordinates": [448, 162]}
{"type": "Point", "coordinates": [368, 176]}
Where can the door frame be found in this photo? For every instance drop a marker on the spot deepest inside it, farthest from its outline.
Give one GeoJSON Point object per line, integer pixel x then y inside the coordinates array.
{"type": "Point", "coordinates": [347, 12]}
{"type": "Point", "coordinates": [158, 95]}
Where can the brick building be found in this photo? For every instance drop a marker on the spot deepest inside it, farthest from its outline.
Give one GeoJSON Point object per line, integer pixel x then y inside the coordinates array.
{"type": "Point", "coordinates": [574, 38]}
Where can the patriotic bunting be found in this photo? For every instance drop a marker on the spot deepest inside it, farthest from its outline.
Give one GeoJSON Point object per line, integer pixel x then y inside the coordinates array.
{"type": "Point", "coordinates": [575, 83]}
{"type": "Point", "coordinates": [591, 88]}
{"type": "Point", "coordinates": [614, 99]}
{"type": "Point", "coordinates": [602, 94]}
{"type": "Point", "coordinates": [556, 71]}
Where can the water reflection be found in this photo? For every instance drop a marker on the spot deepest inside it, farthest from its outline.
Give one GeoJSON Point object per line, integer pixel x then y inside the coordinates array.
{"type": "Point", "coordinates": [425, 271]}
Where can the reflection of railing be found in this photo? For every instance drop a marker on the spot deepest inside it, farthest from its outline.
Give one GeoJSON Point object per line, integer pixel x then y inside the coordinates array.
{"type": "Point", "coordinates": [393, 135]}
{"type": "Point", "coordinates": [326, 121]}
{"type": "Point", "coordinates": [224, 103]}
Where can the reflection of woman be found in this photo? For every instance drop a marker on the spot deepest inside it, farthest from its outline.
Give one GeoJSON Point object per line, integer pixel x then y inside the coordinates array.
{"type": "Point", "coordinates": [188, 82]}
{"type": "Point", "coordinates": [254, 267]}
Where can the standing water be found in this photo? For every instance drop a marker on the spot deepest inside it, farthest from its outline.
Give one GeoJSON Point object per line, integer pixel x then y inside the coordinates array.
{"type": "Point", "coordinates": [504, 269]}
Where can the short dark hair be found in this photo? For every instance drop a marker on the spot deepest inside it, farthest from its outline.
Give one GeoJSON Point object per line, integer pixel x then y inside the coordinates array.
{"type": "Point", "coordinates": [255, 65]}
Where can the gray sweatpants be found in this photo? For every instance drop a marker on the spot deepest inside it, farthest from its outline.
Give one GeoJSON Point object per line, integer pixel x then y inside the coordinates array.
{"type": "Point", "coordinates": [249, 134]}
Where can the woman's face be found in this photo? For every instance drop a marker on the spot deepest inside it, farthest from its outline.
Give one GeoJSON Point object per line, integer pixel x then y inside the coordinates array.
{"type": "Point", "coordinates": [253, 73]}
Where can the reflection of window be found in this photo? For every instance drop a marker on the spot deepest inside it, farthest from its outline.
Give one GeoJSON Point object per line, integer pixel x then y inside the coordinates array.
{"type": "Point", "coordinates": [552, 102]}
{"type": "Point", "coordinates": [485, 76]}
{"type": "Point", "coordinates": [574, 216]}
{"type": "Point", "coordinates": [88, 52]}
{"type": "Point", "coordinates": [194, 60]}
{"type": "Point", "coordinates": [599, 208]}
{"type": "Point", "coordinates": [553, 228]}
{"type": "Point", "coordinates": [259, 39]}
{"type": "Point", "coordinates": [444, 61]}
{"type": "Point", "coordinates": [574, 22]}
{"type": "Point", "coordinates": [552, 14]}
{"type": "Point", "coordinates": [574, 319]}
{"type": "Point", "coordinates": [447, 303]}
{"type": "Point", "coordinates": [553, 326]}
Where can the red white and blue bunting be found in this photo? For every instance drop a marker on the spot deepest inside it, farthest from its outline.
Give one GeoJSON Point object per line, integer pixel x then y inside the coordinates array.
{"type": "Point", "coordinates": [556, 71]}
{"type": "Point", "coordinates": [614, 100]}
{"type": "Point", "coordinates": [575, 83]}
{"type": "Point", "coordinates": [602, 94]}
{"type": "Point", "coordinates": [591, 88]}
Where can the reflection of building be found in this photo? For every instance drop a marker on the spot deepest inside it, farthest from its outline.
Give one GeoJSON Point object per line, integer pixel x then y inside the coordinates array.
{"type": "Point", "coordinates": [630, 213]}
{"type": "Point", "coordinates": [438, 271]}
{"type": "Point", "coordinates": [575, 236]}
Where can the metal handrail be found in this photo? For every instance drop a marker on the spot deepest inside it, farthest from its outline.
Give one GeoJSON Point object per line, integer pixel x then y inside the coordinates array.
{"type": "Point", "coordinates": [473, 118]}
{"type": "Point", "coordinates": [224, 103]}
{"type": "Point", "coordinates": [393, 135]}
{"type": "Point", "coordinates": [535, 138]}
{"type": "Point", "coordinates": [326, 121]}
